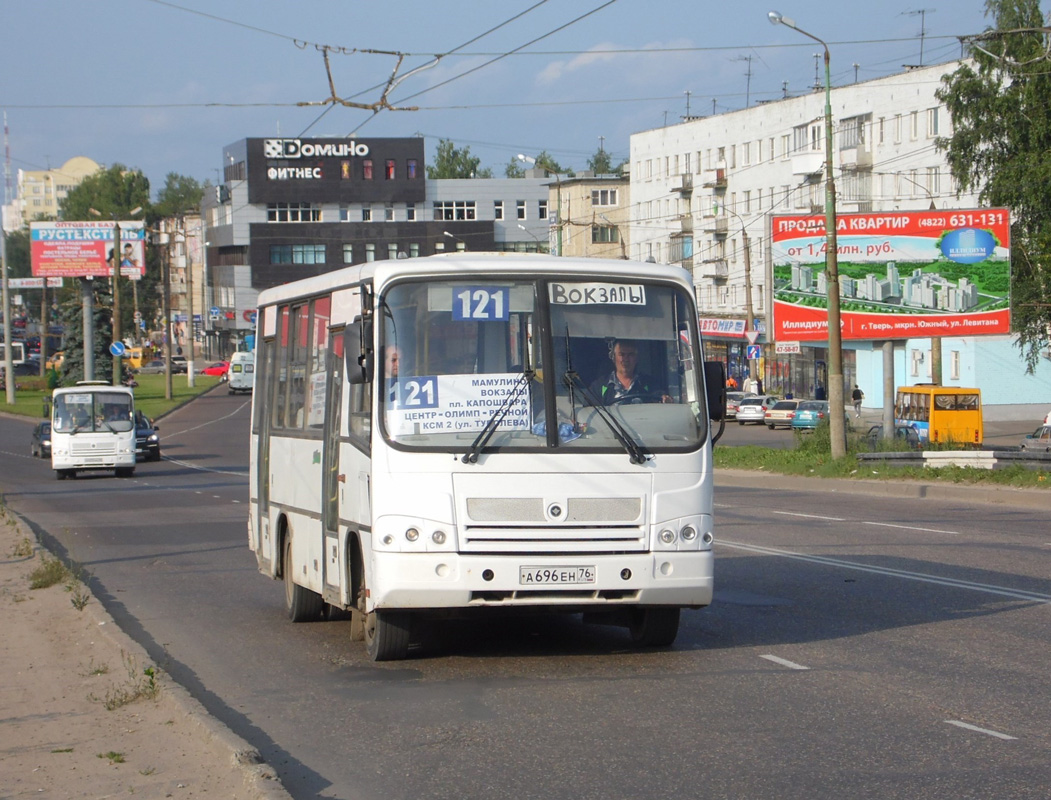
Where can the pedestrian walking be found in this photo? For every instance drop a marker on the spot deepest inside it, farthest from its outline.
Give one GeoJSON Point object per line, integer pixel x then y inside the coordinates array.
{"type": "Point", "coordinates": [857, 396]}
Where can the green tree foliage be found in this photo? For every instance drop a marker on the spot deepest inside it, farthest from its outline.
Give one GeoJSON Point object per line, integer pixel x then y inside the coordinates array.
{"type": "Point", "coordinates": [16, 249]}
{"type": "Point", "coordinates": [180, 195]}
{"type": "Point", "coordinates": [514, 169]}
{"type": "Point", "coordinates": [600, 163]}
{"type": "Point", "coordinates": [113, 192]}
{"type": "Point", "coordinates": [451, 162]}
{"type": "Point", "coordinates": [72, 318]}
{"type": "Point", "coordinates": [1001, 147]}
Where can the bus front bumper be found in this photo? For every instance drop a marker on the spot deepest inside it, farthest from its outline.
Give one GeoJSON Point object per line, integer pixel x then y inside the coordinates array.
{"type": "Point", "coordinates": [452, 580]}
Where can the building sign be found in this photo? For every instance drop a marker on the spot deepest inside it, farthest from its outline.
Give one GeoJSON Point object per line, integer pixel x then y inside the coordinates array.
{"type": "Point", "coordinates": [787, 348]}
{"type": "Point", "coordinates": [85, 249]}
{"type": "Point", "coordinates": [902, 274]}
{"type": "Point", "coordinates": [722, 327]}
{"type": "Point", "coordinates": [313, 148]}
{"type": "Point", "coordinates": [34, 283]}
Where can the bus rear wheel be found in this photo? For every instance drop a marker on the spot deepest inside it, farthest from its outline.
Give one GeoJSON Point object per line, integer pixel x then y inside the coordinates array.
{"type": "Point", "coordinates": [654, 627]}
{"type": "Point", "coordinates": [387, 635]}
{"type": "Point", "coordinates": [302, 604]}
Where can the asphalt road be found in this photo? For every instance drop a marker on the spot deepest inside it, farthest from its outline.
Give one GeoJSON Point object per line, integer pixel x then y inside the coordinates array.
{"type": "Point", "coordinates": [857, 647]}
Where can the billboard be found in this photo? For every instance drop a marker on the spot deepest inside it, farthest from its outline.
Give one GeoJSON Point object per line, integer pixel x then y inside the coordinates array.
{"type": "Point", "coordinates": [85, 249]}
{"type": "Point", "coordinates": [902, 274]}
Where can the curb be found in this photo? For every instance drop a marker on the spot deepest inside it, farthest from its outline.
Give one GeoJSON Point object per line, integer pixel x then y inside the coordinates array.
{"type": "Point", "coordinates": [921, 490]}
{"type": "Point", "coordinates": [259, 777]}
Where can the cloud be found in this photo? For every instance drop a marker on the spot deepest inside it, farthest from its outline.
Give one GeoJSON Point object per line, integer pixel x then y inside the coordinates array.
{"type": "Point", "coordinates": [557, 70]}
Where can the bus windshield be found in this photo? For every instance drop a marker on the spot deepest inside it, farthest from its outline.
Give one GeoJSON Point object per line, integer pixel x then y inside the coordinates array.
{"type": "Point", "coordinates": [534, 363]}
{"type": "Point", "coordinates": [94, 411]}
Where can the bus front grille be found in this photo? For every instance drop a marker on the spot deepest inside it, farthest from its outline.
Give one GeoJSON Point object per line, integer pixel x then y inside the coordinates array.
{"type": "Point", "coordinates": [107, 447]}
{"type": "Point", "coordinates": [612, 539]}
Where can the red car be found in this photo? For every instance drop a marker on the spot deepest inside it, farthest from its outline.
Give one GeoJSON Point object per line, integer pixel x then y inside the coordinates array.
{"type": "Point", "coordinates": [220, 368]}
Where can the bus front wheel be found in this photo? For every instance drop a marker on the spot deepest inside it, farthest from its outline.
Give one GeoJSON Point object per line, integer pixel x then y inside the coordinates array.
{"type": "Point", "coordinates": [387, 635]}
{"type": "Point", "coordinates": [302, 604]}
{"type": "Point", "coordinates": [654, 627]}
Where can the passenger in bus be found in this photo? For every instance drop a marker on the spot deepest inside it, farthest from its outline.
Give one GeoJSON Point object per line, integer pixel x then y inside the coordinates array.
{"type": "Point", "coordinates": [625, 384]}
{"type": "Point", "coordinates": [391, 362]}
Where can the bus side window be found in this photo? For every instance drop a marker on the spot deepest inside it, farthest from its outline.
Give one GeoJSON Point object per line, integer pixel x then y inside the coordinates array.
{"type": "Point", "coordinates": [360, 402]}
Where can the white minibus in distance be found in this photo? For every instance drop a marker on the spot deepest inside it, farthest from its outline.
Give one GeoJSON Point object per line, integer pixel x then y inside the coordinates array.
{"type": "Point", "coordinates": [436, 435]}
{"type": "Point", "coordinates": [92, 428]}
{"type": "Point", "coordinates": [241, 375]}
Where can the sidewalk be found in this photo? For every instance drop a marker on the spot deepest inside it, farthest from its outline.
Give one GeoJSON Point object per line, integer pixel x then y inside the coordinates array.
{"type": "Point", "coordinates": [63, 667]}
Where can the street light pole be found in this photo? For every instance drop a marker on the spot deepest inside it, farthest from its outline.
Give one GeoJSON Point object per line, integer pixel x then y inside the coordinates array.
{"type": "Point", "coordinates": [558, 198]}
{"type": "Point", "coordinates": [836, 401]}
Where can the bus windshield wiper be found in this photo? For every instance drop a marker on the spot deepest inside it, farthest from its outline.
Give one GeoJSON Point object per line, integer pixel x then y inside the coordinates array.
{"type": "Point", "coordinates": [620, 433]}
{"type": "Point", "coordinates": [483, 437]}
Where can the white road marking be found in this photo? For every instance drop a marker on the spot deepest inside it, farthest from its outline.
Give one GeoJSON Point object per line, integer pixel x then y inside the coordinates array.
{"type": "Point", "coordinates": [784, 662]}
{"type": "Point", "coordinates": [1001, 591]}
{"type": "Point", "coordinates": [808, 516]}
{"type": "Point", "coordinates": [910, 528]}
{"type": "Point", "coordinates": [976, 729]}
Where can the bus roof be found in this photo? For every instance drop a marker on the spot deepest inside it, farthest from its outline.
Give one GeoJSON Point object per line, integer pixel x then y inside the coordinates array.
{"type": "Point", "coordinates": [464, 263]}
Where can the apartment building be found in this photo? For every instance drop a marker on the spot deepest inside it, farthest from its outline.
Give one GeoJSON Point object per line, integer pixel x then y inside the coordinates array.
{"type": "Point", "coordinates": [703, 192]}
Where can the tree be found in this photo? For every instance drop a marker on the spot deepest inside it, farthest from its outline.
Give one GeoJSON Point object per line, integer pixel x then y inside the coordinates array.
{"type": "Point", "coordinates": [16, 248]}
{"type": "Point", "coordinates": [1001, 147]}
{"type": "Point", "coordinates": [72, 312]}
{"type": "Point", "coordinates": [180, 194]}
{"type": "Point", "coordinates": [450, 162]}
{"type": "Point", "coordinates": [600, 163]}
{"type": "Point", "coordinates": [514, 169]}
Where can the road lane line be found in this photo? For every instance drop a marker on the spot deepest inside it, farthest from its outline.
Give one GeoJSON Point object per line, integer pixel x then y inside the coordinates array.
{"type": "Point", "coordinates": [784, 662]}
{"type": "Point", "coordinates": [910, 528]}
{"type": "Point", "coordinates": [1001, 591]}
{"type": "Point", "coordinates": [976, 729]}
{"type": "Point", "coordinates": [809, 516]}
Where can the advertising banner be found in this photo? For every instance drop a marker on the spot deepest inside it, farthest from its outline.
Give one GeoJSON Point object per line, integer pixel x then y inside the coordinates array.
{"type": "Point", "coordinates": [85, 249]}
{"type": "Point", "coordinates": [902, 274]}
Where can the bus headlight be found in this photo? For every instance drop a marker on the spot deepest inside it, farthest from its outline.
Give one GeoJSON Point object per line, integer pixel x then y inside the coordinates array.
{"type": "Point", "coordinates": [438, 537]}
{"type": "Point", "coordinates": [412, 534]}
{"type": "Point", "coordinates": [688, 533]}
{"type": "Point", "coordinates": [667, 536]}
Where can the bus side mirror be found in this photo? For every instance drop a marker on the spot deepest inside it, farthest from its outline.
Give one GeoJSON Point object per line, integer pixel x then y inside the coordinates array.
{"type": "Point", "coordinates": [715, 388]}
{"type": "Point", "coordinates": [358, 352]}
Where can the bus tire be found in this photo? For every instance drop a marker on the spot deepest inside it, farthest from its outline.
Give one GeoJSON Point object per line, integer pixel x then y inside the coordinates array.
{"type": "Point", "coordinates": [387, 635]}
{"type": "Point", "coordinates": [302, 604]}
{"type": "Point", "coordinates": [654, 627]}
{"type": "Point", "coordinates": [62, 474]}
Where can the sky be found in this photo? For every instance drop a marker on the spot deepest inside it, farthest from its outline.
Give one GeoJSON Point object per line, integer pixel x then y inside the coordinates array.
{"type": "Point", "coordinates": [164, 85]}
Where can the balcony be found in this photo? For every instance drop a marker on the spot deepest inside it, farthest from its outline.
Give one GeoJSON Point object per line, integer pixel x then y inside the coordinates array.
{"type": "Point", "coordinates": [686, 223]}
{"type": "Point", "coordinates": [714, 268]}
{"type": "Point", "coordinates": [683, 184]}
{"type": "Point", "coordinates": [857, 157]}
{"type": "Point", "coordinates": [808, 162]}
{"type": "Point", "coordinates": [719, 226]}
{"type": "Point", "coordinates": [715, 178]}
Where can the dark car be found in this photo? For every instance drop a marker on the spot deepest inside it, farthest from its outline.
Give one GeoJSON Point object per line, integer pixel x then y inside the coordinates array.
{"type": "Point", "coordinates": [904, 436]}
{"type": "Point", "coordinates": [147, 442]}
{"type": "Point", "coordinates": [41, 446]}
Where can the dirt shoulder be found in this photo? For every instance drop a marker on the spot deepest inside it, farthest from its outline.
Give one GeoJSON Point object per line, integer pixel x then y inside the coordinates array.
{"type": "Point", "coordinates": [85, 713]}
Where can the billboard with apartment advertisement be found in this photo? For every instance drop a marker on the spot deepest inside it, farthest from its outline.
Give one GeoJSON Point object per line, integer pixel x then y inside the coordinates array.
{"type": "Point", "coordinates": [902, 274]}
{"type": "Point", "coordinates": [85, 249]}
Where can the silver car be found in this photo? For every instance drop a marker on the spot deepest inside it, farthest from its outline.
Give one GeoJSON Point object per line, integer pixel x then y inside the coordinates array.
{"type": "Point", "coordinates": [1039, 441]}
{"type": "Point", "coordinates": [753, 409]}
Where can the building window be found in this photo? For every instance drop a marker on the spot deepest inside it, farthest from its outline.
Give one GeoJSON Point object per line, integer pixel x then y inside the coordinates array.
{"type": "Point", "coordinates": [914, 125]}
{"type": "Point", "coordinates": [392, 251]}
{"type": "Point", "coordinates": [541, 209]}
{"type": "Point", "coordinates": [954, 365]}
{"type": "Point", "coordinates": [388, 212]}
{"type": "Point", "coordinates": [880, 127]}
{"type": "Point", "coordinates": [934, 180]}
{"type": "Point", "coordinates": [297, 254]}
{"type": "Point", "coordinates": [498, 209]}
{"type": "Point", "coordinates": [344, 213]}
{"type": "Point", "coordinates": [520, 207]}
{"type": "Point", "coordinates": [348, 254]}
{"type": "Point", "coordinates": [410, 212]}
{"type": "Point", "coordinates": [370, 252]}
{"type": "Point", "coordinates": [293, 212]}
{"type": "Point", "coordinates": [897, 128]}
{"type": "Point", "coordinates": [603, 197]}
{"type": "Point", "coordinates": [604, 234]}
{"type": "Point", "coordinates": [366, 169]}
{"type": "Point", "coordinates": [390, 169]}
{"type": "Point", "coordinates": [932, 122]}
{"type": "Point", "coordinates": [454, 209]}
{"type": "Point", "coordinates": [414, 250]}
{"type": "Point", "coordinates": [366, 213]}
{"type": "Point", "coordinates": [411, 169]}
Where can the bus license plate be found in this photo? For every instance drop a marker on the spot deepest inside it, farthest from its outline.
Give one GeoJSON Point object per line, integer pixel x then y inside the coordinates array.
{"type": "Point", "coordinates": [555, 576]}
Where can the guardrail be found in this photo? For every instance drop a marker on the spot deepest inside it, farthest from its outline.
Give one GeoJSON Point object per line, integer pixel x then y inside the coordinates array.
{"type": "Point", "coordinates": [979, 459]}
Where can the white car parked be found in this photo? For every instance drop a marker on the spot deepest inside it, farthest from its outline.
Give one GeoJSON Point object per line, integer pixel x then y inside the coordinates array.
{"type": "Point", "coordinates": [753, 409]}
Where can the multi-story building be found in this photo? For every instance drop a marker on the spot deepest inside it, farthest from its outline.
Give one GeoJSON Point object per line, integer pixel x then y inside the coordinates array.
{"type": "Point", "coordinates": [293, 208]}
{"type": "Point", "coordinates": [41, 192]}
{"type": "Point", "coordinates": [589, 214]}
{"type": "Point", "coordinates": [703, 192]}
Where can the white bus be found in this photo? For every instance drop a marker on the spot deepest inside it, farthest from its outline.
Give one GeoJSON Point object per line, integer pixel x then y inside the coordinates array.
{"type": "Point", "coordinates": [241, 376]}
{"type": "Point", "coordinates": [430, 436]}
{"type": "Point", "coordinates": [92, 428]}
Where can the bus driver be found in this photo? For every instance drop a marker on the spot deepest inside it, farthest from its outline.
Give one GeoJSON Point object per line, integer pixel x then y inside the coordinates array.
{"type": "Point", "coordinates": [625, 384]}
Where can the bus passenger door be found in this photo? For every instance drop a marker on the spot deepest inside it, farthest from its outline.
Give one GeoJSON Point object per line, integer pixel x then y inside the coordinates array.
{"type": "Point", "coordinates": [264, 544]}
{"type": "Point", "coordinates": [334, 481]}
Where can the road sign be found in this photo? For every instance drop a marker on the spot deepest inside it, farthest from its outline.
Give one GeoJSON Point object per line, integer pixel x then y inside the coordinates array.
{"type": "Point", "coordinates": [215, 311]}
{"type": "Point", "coordinates": [117, 349]}
{"type": "Point", "coordinates": [754, 352]}
{"type": "Point", "coordinates": [753, 337]}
